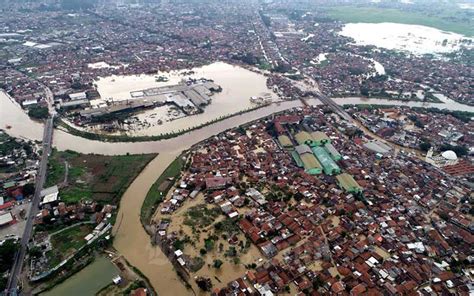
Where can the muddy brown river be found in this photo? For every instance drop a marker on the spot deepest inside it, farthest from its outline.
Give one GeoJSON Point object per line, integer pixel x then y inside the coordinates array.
{"type": "Point", "coordinates": [131, 240]}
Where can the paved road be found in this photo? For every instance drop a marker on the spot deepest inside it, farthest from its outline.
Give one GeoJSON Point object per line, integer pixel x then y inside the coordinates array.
{"type": "Point", "coordinates": [12, 286]}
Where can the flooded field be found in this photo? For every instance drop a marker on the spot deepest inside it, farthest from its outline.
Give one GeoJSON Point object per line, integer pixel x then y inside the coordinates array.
{"type": "Point", "coordinates": [88, 281]}
{"type": "Point", "coordinates": [229, 270]}
{"type": "Point", "coordinates": [238, 86]}
{"type": "Point", "coordinates": [414, 39]}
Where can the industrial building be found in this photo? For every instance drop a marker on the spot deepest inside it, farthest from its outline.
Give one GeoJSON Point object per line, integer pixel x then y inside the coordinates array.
{"type": "Point", "coordinates": [310, 163]}
{"type": "Point", "coordinates": [304, 138]}
{"type": "Point", "coordinates": [285, 141]}
{"type": "Point", "coordinates": [190, 98]}
{"type": "Point", "coordinates": [335, 155]}
{"type": "Point", "coordinates": [320, 138]}
{"type": "Point", "coordinates": [329, 166]}
{"type": "Point", "coordinates": [347, 182]}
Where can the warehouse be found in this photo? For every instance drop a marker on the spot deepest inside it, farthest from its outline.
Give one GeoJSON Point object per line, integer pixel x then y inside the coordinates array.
{"type": "Point", "coordinates": [347, 182]}
{"type": "Point", "coordinates": [329, 166]}
{"type": "Point", "coordinates": [297, 158]}
{"type": "Point", "coordinates": [310, 163]}
{"type": "Point", "coordinates": [332, 151]}
{"type": "Point", "coordinates": [320, 138]}
{"type": "Point", "coordinates": [284, 141]}
{"type": "Point", "coordinates": [304, 138]}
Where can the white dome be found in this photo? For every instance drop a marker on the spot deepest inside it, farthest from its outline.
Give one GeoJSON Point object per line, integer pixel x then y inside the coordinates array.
{"type": "Point", "coordinates": [449, 155]}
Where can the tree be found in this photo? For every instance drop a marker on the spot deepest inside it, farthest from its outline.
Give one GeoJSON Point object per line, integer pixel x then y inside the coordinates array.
{"type": "Point", "coordinates": [425, 146]}
{"type": "Point", "coordinates": [29, 189]}
{"type": "Point", "coordinates": [7, 254]}
{"type": "Point", "coordinates": [217, 263]}
{"type": "Point", "coordinates": [38, 112]}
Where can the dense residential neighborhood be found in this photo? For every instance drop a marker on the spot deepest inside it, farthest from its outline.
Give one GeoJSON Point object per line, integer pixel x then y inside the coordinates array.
{"type": "Point", "coordinates": [237, 147]}
{"type": "Point", "coordinates": [364, 223]}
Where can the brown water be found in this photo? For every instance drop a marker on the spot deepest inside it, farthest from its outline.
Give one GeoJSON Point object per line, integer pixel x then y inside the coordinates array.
{"type": "Point", "coordinates": [131, 239]}
{"type": "Point", "coordinates": [22, 126]}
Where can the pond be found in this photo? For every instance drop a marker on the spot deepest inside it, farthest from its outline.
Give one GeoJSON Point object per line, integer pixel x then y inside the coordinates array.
{"type": "Point", "coordinates": [88, 281]}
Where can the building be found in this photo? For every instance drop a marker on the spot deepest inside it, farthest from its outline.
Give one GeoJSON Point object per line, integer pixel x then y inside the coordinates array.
{"type": "Point", "coordinates": [304, 138]}
{"type": "Point", "coordinates": [329, 166]}
{"type": "Point", "coordinates": [285, 141]}
{"type": "Point", "coordinates": [310, 163]}
{"type": "Point", "coordinates": [378, 147]}
{"type": "Point", "coordinates": [335, 155]}
{"type": "Point", "coordinates": [6, 218]}
{"type": "Point", "coordinates": [447, 158]}
{"type": "Point", "coordinates": [320, 138]}
{"type": "Point", "coordinates": [347, 182]}
{"type": "Point", "coordinates": [78, 96]}
{"type": "Point", "coordinates": [49, 195]}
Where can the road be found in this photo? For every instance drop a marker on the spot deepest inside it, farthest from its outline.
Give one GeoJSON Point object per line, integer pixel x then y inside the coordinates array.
{"type": "Point", "coordinates": [12, 285]}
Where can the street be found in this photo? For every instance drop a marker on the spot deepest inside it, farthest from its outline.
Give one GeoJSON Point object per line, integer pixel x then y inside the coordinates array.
{"type": "Point", "coordinates": [41, 177]}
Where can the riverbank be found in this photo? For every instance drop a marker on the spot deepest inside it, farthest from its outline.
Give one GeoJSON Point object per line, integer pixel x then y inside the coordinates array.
{"type": "Point", "coordinates": [127, 138]}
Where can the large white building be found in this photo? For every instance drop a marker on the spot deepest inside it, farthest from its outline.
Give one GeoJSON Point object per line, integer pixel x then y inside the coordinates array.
{"type": "Point", "coordinates": [446, 158]}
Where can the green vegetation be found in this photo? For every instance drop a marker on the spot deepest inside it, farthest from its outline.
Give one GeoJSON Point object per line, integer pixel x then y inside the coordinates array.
{"type": "Point", "coordinates": [459, 150]}
{"type": "Point", "coordinates": [160, 188]}
{"type": "Point", "coordinates": [94, 177]}
{"type": "Point", "coordinates": [217, 263]}
{"type": "Point", "coordinates": [196, 264]}
{"type": "Point", "coordinates": [350, 14]}
{"type": "Point", "coordinates": [67, 242]}
{"type": "Point", "coordinates": [38, 112]}
{"type": "Point", "coordinates": [201, 216]}
{"type": "Point", "coordinates": [227, 226]}
{"type": "Point", "coordinates": [125, 138]}
{"type": "Point", "coordinates": [7, 254]}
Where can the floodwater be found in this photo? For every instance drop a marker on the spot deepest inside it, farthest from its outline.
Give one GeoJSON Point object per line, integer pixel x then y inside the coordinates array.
{"type": "Point", "coordinates": [11, 115]}
{"type": "Point", "coordinates": [21, 125]}
{"type": "Point", "coordinates": [131, 239]}
{"type": "Point", "coordinates": [88, 281]}
{"type": "Point", "coordinates": [238, 86]}
{"type": "Point", "coordinates": [415, 39]}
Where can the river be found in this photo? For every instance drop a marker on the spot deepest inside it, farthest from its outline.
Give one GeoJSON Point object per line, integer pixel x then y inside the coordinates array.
{"type": "Point", "coordinates": [131, 240]}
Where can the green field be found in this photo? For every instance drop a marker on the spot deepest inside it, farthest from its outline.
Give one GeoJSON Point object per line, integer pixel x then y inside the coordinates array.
{"type": "Point", "coordinates": [97, 177]}
{"type": "Point", "coordinates": [67, 242]}
{"type": "Point", "coordinates": [378, 15]}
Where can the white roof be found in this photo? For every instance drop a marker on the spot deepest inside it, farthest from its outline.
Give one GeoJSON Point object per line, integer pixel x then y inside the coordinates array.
{"type": "Point", "coordinates": [78, 96]}
{"type": "Point", "coordinates": [52, 197]}
{"type": "Point", "coordinates": [449, 155]}
{"type": "Point", "coordinates": [49, 190]}
{"type": "Point", "coordinates": [6, 218]}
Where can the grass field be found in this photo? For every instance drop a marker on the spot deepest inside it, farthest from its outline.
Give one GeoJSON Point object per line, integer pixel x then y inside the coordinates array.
{"type": "Point", "coordinates": [67, 243]}
{"type": "Point", "coordinates": [97, 177]}
{"type": "Point", "coordinates": [159, 189]}
{"type": "Point", "coordinates": [377, 15]}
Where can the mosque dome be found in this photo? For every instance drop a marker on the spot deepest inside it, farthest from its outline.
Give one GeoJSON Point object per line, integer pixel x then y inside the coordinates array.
{"type": "Point", "coordinates": [449, 155]}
